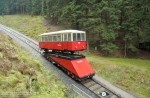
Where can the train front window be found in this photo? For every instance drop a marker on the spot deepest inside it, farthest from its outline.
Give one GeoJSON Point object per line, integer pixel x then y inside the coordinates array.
{"type": "Point", "coordinates": [78, 37]}
{"type": "Point", "coordinates": [42, 38]}
{"type": "Point", "coordinates": [82, 36]}
{"type": "Point", "coordinates": [54, 38]}
{"type": "Point", "coordinates": [65, 37]}
{"type": "Point", "coordinates": [69, 36]}
{"type": "Point", "coordinates": [58, 38]}
{"type": "Point", "coordinates": [50, 38]}
{"type": "Point", "coordinates": [74, 37]}
{"type": "Point", "coordinates": [45, 38]}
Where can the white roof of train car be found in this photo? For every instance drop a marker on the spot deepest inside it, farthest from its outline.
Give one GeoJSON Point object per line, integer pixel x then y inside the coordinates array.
{"type": "Point", "coordinates": [62, 31]}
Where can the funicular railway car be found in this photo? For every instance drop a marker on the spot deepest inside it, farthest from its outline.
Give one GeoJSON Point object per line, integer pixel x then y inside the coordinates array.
{"type": "Point", "coordinates": [58, 47]}
{"type": "Point", "coordinates": [65, 40]}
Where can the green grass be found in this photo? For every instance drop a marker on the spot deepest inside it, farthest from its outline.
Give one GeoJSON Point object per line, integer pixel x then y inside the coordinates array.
{"type": "Point", "coordinates": [17, 67]}
{"type": "Point", "coordinates": [30, 26]}
{"type": "Point", "coordinates": [130, 74]}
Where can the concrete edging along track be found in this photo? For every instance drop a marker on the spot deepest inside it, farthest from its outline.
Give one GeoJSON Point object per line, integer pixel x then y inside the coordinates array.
{"type": "Point", "coordinates": [113, 88]}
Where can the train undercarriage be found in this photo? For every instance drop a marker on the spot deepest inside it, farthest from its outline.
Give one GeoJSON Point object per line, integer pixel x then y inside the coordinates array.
{"type": "Point", "coordinates": [74, 65]}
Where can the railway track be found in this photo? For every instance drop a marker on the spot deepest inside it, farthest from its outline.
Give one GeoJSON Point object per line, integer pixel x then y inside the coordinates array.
{"type": "Point", "coordinates": [33, 44]}
{"type": "Point", "coordinates": [98, 89]}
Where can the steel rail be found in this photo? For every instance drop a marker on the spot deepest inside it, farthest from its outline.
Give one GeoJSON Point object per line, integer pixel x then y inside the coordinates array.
{"type": "Point", "coordinates": [99, 89]}
{"type": "Point", "coordinates": [25, 39]}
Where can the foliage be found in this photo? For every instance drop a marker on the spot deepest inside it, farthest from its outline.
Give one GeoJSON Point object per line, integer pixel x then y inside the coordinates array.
{"type": "Point", "coordinates": [17, 68]}
{"type": "Point", "coordinates": [20, 7]}
{"type": "Point", "coordinates": [31, 28]}
{"type": "Point", "coordinates": [101, 19]}
{"type": "Point", "coordinates": [129, 74]}
{"type": "Point", "coordinates": [110, 47]}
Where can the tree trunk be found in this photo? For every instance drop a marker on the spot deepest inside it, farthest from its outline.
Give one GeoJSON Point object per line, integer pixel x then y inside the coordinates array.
{"type": "Point", "coordinates": [88, 48]}
{"type": "Point", "coordinates": [23, 9]}
{"type": "Point", "coordinates": [87, 42]}
{"type": "Point", "coordinates": [125, 49]}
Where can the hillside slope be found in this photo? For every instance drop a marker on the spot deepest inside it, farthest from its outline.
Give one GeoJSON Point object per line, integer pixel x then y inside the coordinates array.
{"type": "Point", "coordinates": [127, 73]}
{"type": "Point", "coordinates": [17, 68]}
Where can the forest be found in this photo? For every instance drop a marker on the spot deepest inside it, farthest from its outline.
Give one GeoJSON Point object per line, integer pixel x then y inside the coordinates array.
{"type": "Point", "coordinates": [111, 25]}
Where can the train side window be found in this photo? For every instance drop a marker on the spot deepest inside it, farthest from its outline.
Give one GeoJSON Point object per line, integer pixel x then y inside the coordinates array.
{"type": "Point", "coordinates": [65, 37]}
{"type": "Point", "coordinates": [50, 38]}
{"type": "Point", "coordinates": [78, 37]}
{"type": "Point", "coordinates": [74, 37]}
{"type": "Point", "coordinates": [58, 38]}
{"type": "Point", "coordinates": [47, 39]}
{"type": "Point", "coordinates": [82, 36]}
{"type": "Point", "coordinates": [54, 38]}
{"type": "Point", "coordinates": [69, 36]}
{"type": "Point", "coordinates": [43, 39]}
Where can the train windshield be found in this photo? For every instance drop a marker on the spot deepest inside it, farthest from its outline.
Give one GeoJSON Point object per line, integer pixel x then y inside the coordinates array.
{"type": "Point", "coordinates": [69, 36]}
{"type": "Point", "coordinates": [74, 37]}
{"type": "Point", "coordinates": [59, 38]}
{"type": "Point", "coordinates": [83, 36]}
{"type": "Point", "coordinates": [78, 36]}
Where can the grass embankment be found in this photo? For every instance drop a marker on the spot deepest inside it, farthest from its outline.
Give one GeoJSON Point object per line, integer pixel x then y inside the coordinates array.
{"type": "Point", "coordinates": [16, 69]}
{"type": "Point", "coordinates": [30, 26]}
{"type": "Point", "coordinates": [130, 74]}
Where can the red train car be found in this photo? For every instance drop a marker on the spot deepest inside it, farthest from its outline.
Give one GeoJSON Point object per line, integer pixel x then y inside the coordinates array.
{"type": "Point", "coordinates": [75, 65]}
{"type": "Point", "coordinates": [70, 40]}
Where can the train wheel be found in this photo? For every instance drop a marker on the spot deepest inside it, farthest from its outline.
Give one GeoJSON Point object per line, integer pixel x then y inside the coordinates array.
{"type": "Point", "coordinates": [57, 65]}
{"type": "Point", "coordinates": [68, 73]}
{"type": "Point", "coordinates": [82, 80]}
{"type": "Point", "coordinates": [75, 78]}
{"type": "Point", "coordinates": [72, 76]}
{"type": "Point", "coordinates": [47, 57]}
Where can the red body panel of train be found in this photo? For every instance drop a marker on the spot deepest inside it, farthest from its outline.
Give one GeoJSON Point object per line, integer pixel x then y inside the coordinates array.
{"type": "Point", "coordinates": [70, 46]}
{"type": "Point", "coordinates": [79, 67]}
